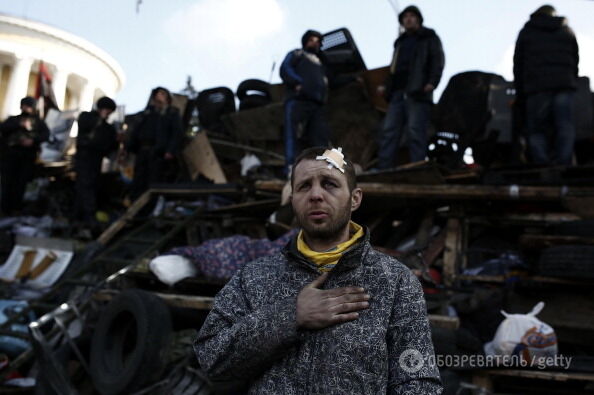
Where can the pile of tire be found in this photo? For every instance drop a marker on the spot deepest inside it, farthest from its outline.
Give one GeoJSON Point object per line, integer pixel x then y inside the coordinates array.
{"type": "Point", "coordinates": [212, 104]}
{"type": "Point", "coordinates": [253, 93]}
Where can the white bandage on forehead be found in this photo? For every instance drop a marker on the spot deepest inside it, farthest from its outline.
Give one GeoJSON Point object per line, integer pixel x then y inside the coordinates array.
{"type": "Point", "coordinates": [334, 157]}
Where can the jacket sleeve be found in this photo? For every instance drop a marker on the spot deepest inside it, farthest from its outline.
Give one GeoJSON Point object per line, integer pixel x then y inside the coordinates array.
{"type": "Point", "coordinates": [237, 342]}
{"type": "Point", "coordinates": [8, 127]}
{"type": "Point", "coordinates": [176, 132]}
{"type": "Point", "coordinates": [436, 61]}
{"type": "Point", "coordinates": [114, 143]}
{"type": "Point", "coordinates": [287, 70]}
{"type": "Point", "coordinates": [412, 368]}
{"type": "Point", "coordinates": [42, 134]}
{"type": "Point", "coordinates": [576, 55]}
{"type": "Point", "coordinates": [389, 80]}
{"type": "Point", "coordinates": [85, 126]}
{"type": "Point", "coordinates": [133, 142]}
{"type": "Point", "coordinates": [519, 65]}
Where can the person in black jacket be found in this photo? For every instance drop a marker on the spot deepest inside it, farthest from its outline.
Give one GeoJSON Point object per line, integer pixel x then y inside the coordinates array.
{"type": "Point", "coordinates": [415, 72]}
{"type": "Point", "coordinates": [545, 72]}
{"type": "Point", "coordinates": [96, 139]}
{"type": "Point", "coordinates": [304, 75]}
{"type": "Point", "coordinates": [20, 140]}
{"type": "Point", "coordinates": [155, 141]}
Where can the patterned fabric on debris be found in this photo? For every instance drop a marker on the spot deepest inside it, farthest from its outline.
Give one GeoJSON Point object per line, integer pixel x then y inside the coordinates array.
{"type": "Point", "coordinates": [251, 334]}
{"type": "Point", "coordinates": [221, 258]}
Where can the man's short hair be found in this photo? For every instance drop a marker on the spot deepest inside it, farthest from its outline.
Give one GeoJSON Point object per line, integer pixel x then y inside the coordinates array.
{"type": "Point", "coordinates": [165, 91]}
{"type": "Point", "coordinates": [313, 152]}
{"type": "Point", "coordinates": [413, 9]}
{"type": "Point", "coordinates": [106, 103]}
{"type": "Point", "coordinates": [28, 101]}
{"type": "Point", "coordinates": [308, 34]}
{"type": "Point", "coordinates": [546, 10]}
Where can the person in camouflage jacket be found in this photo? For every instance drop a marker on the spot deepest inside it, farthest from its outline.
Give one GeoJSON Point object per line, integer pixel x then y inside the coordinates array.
{"type": "Point", "coordinates": [361, 327]}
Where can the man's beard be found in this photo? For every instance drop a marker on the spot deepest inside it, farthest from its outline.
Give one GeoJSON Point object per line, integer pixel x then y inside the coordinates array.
{"type": "Point", "coordinates": [326, 231]}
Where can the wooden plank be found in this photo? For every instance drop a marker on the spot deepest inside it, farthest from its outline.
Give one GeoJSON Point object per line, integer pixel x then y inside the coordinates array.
{"type": "Point", "coordinates": [186, 301]}
{"type": "Point", "coordinates": [530, 218]}
{"type": "Point", "coordinates": [452, 251]}
{"type": "Point", "coordinates": [471, 192]}
{"type": "Point", "coordinates": [544, 241]}
{"type": "Point", "coordinates": [115, 227]}
{"type": "Point", "coordinates": [458, 191]}
{"type": "Point", "coordinates": [443, 321]}
{"type": "Point", "coordinates": [524, 279]}
{"type": "Point", "coordinates": [581, 205]}
{"type": "Point", "coordinates": [254, 205]}
{"type": "Point", "coordinates": [221, 190]}
{"type": "Point", "coordinates": [423, 173]}
{"type": "Point", "coordinates": [248, 148]}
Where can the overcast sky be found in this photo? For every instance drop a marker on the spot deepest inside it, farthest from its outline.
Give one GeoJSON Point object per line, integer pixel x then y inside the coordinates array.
{"type": "Point", "coordinates": [223, 42]}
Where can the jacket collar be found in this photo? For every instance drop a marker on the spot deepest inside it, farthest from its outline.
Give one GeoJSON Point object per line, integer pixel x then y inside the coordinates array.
{"type": "Point", "coordinates": [422, 33]}
{"type": "Point", "coordinates": [351, 259]}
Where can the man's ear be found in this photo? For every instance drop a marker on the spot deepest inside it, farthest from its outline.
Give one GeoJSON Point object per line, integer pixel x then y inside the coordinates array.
{"type": "Point", "coordinates": [356, 198]}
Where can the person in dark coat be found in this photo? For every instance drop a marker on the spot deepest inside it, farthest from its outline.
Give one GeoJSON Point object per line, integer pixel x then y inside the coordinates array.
{"type": "Point", "coordinates": [546, 61]}
{"type": "Point", "coordinates": [20, 140]}
{"type": "Point", "coordinates": [328, 314]}
{"type": "Point", "coordinates": [155, 140]}
{"type": "Point", "coordinates": [96, 139]}
{"type": "Point", "coordinates": [415, 72]}
{"type": "Point", "coordinates": [304, 74]}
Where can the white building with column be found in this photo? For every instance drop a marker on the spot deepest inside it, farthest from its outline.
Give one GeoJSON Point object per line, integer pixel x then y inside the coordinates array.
{"type": "Point", "coordinates": [81, 72]}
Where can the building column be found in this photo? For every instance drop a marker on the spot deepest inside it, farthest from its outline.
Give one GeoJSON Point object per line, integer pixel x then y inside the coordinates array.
{"type": "Point", "coordinates": [17, 86]}
{"type": "Point", "coordinates": [59, 80]}
{"type": "Point", "coordinates": [87, 95]}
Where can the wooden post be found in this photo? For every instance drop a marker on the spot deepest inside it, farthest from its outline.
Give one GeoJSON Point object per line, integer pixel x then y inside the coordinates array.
{"type": "Point", "coordinates": [452, 253]}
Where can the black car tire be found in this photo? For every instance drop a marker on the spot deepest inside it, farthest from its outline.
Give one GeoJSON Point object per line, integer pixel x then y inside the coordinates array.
{"type": "Point", "coordinates": [253, 85]}
{"type": "Point", "coordinates": [129, 342]}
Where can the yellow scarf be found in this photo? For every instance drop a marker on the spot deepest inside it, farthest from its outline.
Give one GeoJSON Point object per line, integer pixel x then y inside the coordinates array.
{"type": "Point", "coordinates": [325, 261]}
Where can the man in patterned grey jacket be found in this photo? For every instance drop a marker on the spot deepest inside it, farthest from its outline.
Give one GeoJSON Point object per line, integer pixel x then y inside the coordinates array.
{"type": "Point", "coordinates": [359, 327]}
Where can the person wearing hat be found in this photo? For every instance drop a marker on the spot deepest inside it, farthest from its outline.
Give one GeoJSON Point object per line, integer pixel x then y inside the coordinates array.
{"type": "Point", "coordinates": [415, 71]}
{"type": "Point", "coordinates": [155, 140]}
{"type": "Point", "coordinates": [546, 61]}
{"type": "Point", "coordinates": [303, 72]}
{"type": "Point", "coordinates": [20, 139]}
{"type": "Point", "coordinates": [327, 315]}
{"type": "Point", "coordinates": [96, 139]}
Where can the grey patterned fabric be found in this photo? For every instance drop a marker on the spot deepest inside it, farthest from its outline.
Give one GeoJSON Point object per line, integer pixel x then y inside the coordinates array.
{"type": "Point", "coordinates": [251, 332]}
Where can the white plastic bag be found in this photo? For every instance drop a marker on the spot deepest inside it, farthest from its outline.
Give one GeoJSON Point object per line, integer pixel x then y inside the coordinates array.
{"type": "Point", "coordinates": [249, 161]}
{"type": "Point", "coordinates": [172, 268]}
{"type": "Point", "coordinates": [524, 336]}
